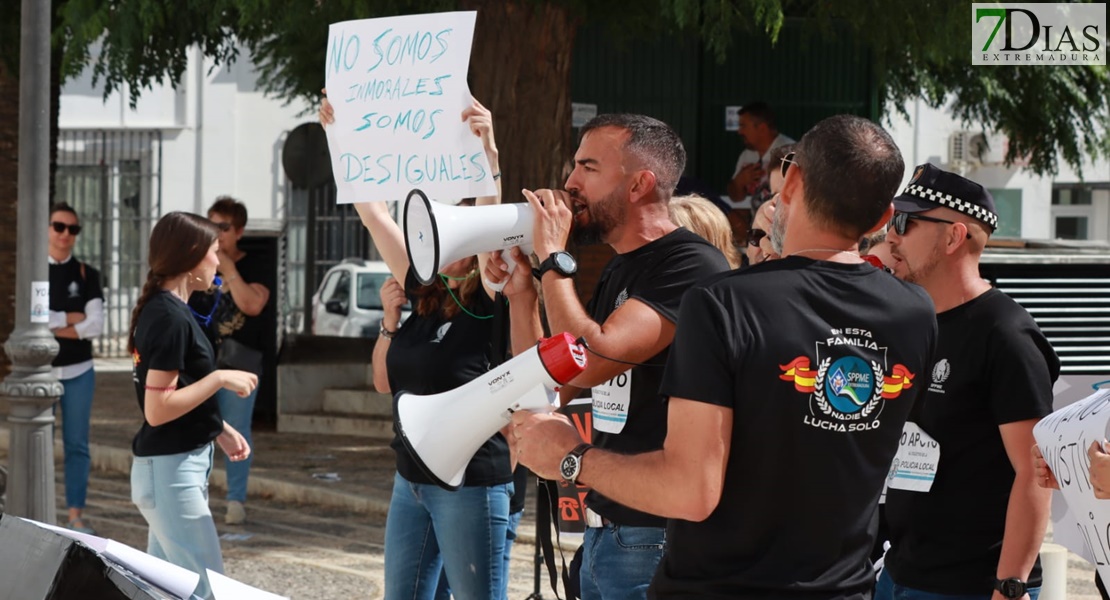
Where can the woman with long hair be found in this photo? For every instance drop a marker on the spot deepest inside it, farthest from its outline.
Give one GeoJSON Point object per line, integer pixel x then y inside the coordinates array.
{"type": "Point", "coordinates": [175, 382]}
{"type": "Point", "coordinates": [445, 343]}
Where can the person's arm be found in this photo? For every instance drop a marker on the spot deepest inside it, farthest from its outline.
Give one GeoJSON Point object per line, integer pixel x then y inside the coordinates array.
{"type": "Point", "coordinates": [163, 401]}
{"type": "Point", "coordinates": [377, 362]}
{"type": "Point", "coordinates": [525, 327]}
{"type": "Point", "coordinates": [92, 325]}
{"type": "Point", "coordinates": [393, 298]}
{"type": "Point", "coordinates": [684, 480]}
{"type": "Point", "coordinates": [1028, 510]}
{"type": "Point", "coordinates": [250, 298]}
{"type": "Point", "coordinates": [480, 121]}
{"type": "Point", "coordinates": [233, 444]}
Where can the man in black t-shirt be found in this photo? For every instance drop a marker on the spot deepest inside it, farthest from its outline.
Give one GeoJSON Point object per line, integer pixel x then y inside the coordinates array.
{"type": "Point", "coordinates": [626, 169]}
{"type": "Point", "coordinates": [788, 387]}
{"type": "Point", "coordinates": [978, 529]}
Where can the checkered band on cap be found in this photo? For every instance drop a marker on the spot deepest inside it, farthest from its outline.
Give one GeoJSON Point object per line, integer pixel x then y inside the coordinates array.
{"type": "Point", "coordinates": [950, 201]}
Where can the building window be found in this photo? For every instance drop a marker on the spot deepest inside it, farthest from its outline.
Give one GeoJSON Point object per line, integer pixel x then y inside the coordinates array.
{"type": "Point", "coordinates": [1073, 212]}
{"type": "Point", "coordinates": [1008, 205]}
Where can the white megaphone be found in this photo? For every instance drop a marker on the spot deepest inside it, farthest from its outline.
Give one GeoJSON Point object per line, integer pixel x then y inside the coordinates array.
{"type": "Point", "coordinates": [438, 234]}
{"type": "Point", "coordinates": [443, 431]}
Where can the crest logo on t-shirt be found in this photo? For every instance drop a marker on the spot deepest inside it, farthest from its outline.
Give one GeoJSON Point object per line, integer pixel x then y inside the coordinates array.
{"type": "Point", "coordinates": [941, 371]}
{"type": "Point", "coordinates": [74, 290]}
{"type": "Point", "coordinates": [442, 331]}
{"type": "Point", "coordinates": [621, 299]}
{"type": "Point", "coordinates": [847, 389]}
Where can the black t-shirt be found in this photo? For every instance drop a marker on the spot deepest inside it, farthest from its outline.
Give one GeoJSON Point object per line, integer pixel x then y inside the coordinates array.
{"type": "Point", "coordinates": [811, 359]}
{"type": "Point", "coordinates": [70, 291]}
{"type": "Point", "coordinates": [227, 320]}
{"type": "Point", "coordinates": [168, 338]}
{"type": "Point", "coordinates": [629, 414]}
{"type": "Point", "coordinates": [993, 366]}
{"type": "Point", "coordinates": [430, 355]}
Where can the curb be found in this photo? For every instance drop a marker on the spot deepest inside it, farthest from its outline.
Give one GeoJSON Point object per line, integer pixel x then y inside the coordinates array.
{"type": "Point", "coordinates": [118, 460]}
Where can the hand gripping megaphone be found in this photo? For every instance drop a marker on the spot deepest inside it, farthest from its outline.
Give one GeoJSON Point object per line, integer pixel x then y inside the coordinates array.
{"type": "Point", "coordinates": [443, 431]}
{"type": "Point", "coordinates": [438, 234]}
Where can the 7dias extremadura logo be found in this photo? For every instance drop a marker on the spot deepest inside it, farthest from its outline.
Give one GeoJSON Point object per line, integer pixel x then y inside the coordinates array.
{"type": "Point", "coordinates": [1038, 34]}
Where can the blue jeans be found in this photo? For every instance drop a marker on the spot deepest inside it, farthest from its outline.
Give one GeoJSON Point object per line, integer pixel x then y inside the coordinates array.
{"type": "Point", "coordinates": [443, 591]}
{"type": "Point", "coordinates": [76, 402]}
{"type": "Point", "coordinates": [618, 562]}
{"type": "Point", "coordinates": [238, 412]}
{"type": "Point", "coordinates": [886, 589]}
{"type": "Point", "coordinates": [172, 494]}
{"type": "Point", "coordinates": [462, 533]}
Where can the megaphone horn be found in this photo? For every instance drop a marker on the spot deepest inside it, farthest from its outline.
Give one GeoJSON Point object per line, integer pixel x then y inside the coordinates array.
{"type": "Point", "coordinates": [438, 234]}
{"type": "Point", "coordinates": [443, 431]}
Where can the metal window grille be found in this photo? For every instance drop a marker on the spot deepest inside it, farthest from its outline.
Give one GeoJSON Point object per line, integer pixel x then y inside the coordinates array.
{"type": "Point", "coordinates": [113, 180]}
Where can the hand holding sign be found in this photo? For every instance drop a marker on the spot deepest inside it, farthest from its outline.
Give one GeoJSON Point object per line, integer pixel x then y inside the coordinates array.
{"type": "Point", "coordinates": [1100, 469]}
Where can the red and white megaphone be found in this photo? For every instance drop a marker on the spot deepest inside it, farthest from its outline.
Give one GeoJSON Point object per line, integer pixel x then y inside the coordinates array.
{"type": "Point", "coordinates": [438, 234]}
{"type": "Point", "coordinates": [443, 431]}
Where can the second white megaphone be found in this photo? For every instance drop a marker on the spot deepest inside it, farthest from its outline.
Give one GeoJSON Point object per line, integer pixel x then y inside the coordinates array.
{"type": "Point", "coordinates": [438, 234]}
{"type": "Point", "coordinates": [443, 431]}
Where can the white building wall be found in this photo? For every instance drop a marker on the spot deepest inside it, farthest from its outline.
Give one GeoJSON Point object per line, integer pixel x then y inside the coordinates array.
{"type": "Point", "coordinates": [220, 134]}
{"type": "Point", "coordinates": [924, 136]}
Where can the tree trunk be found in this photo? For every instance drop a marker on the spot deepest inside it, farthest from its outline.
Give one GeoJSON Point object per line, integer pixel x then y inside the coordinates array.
{"type": "Point", "coordinates": [522, 52]}
{"type": "Point", "coordinates": [9, 199]}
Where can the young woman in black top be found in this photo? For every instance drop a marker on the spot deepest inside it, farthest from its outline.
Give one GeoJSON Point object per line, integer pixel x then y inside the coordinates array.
{"type": "Point", "coordinates": [445, 343]}
{"type": "Point", "coordinates": [175, 383]}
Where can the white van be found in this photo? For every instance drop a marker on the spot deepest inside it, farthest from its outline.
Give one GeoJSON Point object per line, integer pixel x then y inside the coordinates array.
{"type": "Point", "coordinates": [348, 302]}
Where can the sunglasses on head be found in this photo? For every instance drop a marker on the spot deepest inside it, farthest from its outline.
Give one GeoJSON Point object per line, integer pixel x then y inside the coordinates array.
{"type": "Point", "coordinates": [902, 220]}
{"type": "Point", "coordinates": [786, 162]}
{"type": "Point", "coordinates": [60, 227]}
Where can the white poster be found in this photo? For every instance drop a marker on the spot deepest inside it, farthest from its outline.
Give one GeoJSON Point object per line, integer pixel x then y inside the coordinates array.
{"type": "Point", "coordinates": [40, 301]}
{"type": "Point", "coordinates": [398, 87]}
{"type": "Point", "coordinates": [1064, 437]}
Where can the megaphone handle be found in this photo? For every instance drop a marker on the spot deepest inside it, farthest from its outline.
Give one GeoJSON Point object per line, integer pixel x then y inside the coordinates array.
{"type": "Point", "coordinates": [511, 263]}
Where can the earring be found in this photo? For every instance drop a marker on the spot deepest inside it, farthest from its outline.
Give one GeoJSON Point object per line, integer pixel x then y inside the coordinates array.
{"type": "Point", "coordinates": [195, 278]}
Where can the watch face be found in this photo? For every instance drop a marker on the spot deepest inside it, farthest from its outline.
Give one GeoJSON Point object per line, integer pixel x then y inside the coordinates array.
{"type": "Point", "coordinates": [565, 262]}
{"type": "Point", "coordinates": [569, 468]}
{"type": "Point", "coordinates": [1012, 587]}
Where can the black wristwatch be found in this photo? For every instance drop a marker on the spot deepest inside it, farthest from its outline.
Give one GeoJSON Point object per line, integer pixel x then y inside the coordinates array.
{"type": "Point", "coordinates": [1011, 587]}
{"type": "Point", "coordinates": [562, 263]}
{"type": "Point", "coordinates": [571, 466]}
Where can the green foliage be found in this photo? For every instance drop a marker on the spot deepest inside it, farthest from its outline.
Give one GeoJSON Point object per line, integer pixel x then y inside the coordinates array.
{"type": "Point", "coordinates": [920, 50]}
{"type": "Point", "coordinates": [143, 43]}
{"type": "Point", "coordinates": [923, 50]}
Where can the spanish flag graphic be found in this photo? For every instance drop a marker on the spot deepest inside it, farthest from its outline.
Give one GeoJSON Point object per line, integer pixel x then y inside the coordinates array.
{"type": "Point", "coordinates": [799, 372]}
{"type": "Point", "coordinates": [899, 379]}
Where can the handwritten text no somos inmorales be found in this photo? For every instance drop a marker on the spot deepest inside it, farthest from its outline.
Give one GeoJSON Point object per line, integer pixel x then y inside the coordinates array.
{"type": "Point", "coordinates": [394, 63]}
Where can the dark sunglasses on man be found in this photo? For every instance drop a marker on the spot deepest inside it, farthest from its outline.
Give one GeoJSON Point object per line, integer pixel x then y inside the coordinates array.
{"type": "Point", "coordinates": [223, 226]}
{"type": "Point", "coordinates": [902, 220]}
{"type": "Point", "coordinates": [60, 227]}
{"type": "Point", "coordinates": [755, 236]}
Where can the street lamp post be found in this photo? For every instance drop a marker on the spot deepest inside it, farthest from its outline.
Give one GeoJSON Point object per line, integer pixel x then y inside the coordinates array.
{"type": "Point", "coordinates": [31, 389]}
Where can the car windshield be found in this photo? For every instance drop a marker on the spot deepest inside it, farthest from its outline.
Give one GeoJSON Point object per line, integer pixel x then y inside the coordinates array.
{"type": "Point", "coordinates": [369, 290]}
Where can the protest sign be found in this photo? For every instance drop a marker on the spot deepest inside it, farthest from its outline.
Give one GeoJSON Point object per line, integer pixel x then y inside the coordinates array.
{"type": "Point", "coordinates": [398, 88]}
{"type": "Point", "coordinates": [1064, 437]}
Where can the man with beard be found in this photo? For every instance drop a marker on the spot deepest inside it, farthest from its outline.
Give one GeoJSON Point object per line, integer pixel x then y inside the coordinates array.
{"type": "Point", "coordinates": [789, 383]}
{"type": "Point", "coordinates": [976, 532]}
{"type": "Point", "coordinates": [625, 172]}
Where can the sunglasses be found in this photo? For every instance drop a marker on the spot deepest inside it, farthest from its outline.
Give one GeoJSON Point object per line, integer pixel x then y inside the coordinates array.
{"type": "Point", "coordinates": [786, 162]}
{"type": "Point", "coordinates": [60, 227]}
{"type": "Point", "coordinates": [902, 220]}
{"type": "Point", "coordinates": [755, 236]}
{"type": "Point", "coordinates": [224, 226]}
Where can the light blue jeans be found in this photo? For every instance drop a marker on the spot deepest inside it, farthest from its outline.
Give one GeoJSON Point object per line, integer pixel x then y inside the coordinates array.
{"type": "Point", "coordinates": [443, 591]}
{"type": "Point", "coordinates": [462, 533]}
{"type": "Point", "coordinates": [238, 412]}
{"type": "Point", "coordinates": [618, 562]}
{"type": "Point", "coordinates": [172, 494]}
{"type": "Point", "coordinates": [76, 404]}
{"type": "Point", "coordinates": [886, 589]}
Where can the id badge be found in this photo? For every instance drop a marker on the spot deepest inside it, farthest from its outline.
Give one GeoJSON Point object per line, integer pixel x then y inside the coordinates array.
{"type": "Point", "coordinates": [610, 403]}
{"type": "Point", "coordinates": [915, 465]}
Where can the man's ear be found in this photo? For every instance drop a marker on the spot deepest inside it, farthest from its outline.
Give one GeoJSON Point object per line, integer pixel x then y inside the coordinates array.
{"type": "Point", "coordinates": [883, 220]}
{"type": "Point", "coordinates": [955, 237]}
{"type": "Point", "coordinates": [643, 183]}
{"type": "Point", "coordinates": [791, 185]}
